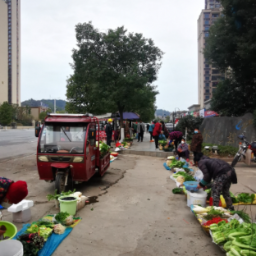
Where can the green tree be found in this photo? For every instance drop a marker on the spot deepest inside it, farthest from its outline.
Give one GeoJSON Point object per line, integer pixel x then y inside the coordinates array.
{"type": "Point", "coordinates": [6, 113]}
{"type": "Point", "coordinates": [231, 48]}
{"type": "Point", "coordinates": [43, 114]}
{"type": "Point", "coordinates": [189, 122]}
{"type": "Point", "coordinates": [112, 71]}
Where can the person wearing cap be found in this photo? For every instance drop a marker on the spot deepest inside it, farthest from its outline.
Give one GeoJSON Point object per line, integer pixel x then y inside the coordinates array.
{"type": "Point", "coordinates": [109, 131]}
{"type": "Point", "coordinates": [12, 192]}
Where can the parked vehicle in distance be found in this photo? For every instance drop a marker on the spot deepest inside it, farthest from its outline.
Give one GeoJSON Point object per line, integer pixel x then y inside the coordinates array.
{"type": "Point", "coordinates": [243, 149]}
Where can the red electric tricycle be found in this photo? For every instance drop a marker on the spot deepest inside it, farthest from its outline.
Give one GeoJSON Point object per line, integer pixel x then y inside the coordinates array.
{"type": "Point", "coordinates": [68, 149]}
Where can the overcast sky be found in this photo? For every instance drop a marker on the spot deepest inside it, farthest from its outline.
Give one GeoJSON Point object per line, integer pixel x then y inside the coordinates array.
{"type": "Point", "coordinates": [48, 37]}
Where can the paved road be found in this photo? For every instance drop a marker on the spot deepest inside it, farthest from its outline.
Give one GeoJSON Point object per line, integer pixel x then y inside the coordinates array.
{"type": "Point", "coordinates": [17, 142]}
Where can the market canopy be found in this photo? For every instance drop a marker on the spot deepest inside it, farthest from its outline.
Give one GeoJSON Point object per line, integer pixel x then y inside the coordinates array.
{"type": "Point", "coordinates": [128, 116]}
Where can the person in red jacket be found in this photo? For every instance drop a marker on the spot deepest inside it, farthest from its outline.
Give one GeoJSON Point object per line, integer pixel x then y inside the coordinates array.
{"type": "Point", "coordinates": [157, 130]}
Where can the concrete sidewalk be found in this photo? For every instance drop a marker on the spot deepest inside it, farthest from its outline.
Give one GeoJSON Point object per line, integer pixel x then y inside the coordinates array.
{"type": "Point", "coordinates": [146, 148]}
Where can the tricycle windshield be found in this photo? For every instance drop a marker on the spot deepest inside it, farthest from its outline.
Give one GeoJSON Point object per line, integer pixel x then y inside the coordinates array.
{"type": "Point", "coordinates": [63, 138]}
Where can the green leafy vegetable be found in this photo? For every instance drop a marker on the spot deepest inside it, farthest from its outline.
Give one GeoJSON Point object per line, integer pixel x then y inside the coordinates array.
{"type": "Point", "coordinates": [213, 213]}
{"type": "Point", "coordinates": [234, 199]}
{"type": "Point", "coordinates": [243, 215]}
{"type": "Point", "coordinates": [245, 198]}
{"type": "Point", "coordinates": [61, 216]}
{"type": "Point", "coordinates": [185, 175]}
{"type": "Point", "coordinates": [45, 232]}
{"type": "Point", "coordinates": [33, 229]}
{"type": "Point", "coordinates": [178, 191]}
{"type": "Point", "coordinates": [55, 196]}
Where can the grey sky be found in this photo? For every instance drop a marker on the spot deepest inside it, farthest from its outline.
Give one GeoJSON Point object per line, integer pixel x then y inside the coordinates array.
{"type": "Point", "coordinates": [48, 37]}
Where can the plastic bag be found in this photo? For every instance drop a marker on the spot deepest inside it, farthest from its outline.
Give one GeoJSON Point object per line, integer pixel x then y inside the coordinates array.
{"type": "Point", "coordinates": [198, 175]}
{"type": "Point", "coordinates": [69, 221]}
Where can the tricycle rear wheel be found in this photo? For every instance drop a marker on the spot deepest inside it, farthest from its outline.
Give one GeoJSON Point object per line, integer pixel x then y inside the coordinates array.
{"type": "Point", "coordinates": [60, 182]}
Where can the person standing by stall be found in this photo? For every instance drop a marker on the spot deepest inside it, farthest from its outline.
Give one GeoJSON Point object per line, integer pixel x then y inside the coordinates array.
{"type": "Point", "coordinates": [12, 192]}
{"type": "Point", "coordinates": [135, 130]}
{"type": "Point", "coordinates": [222, 174]}
{"type": "Point", "coordinates": [156, 132]}
{"type": "Point", "coordinates": [140, 131]}
{"type": "Point", "coordinates": [196, 145]}
{"type": "Point", "coordinates": [109, 131]}
{"type": "Point", "coordinates": [150, 130]}
{"type": "Point", "coordinates": [175, 137]}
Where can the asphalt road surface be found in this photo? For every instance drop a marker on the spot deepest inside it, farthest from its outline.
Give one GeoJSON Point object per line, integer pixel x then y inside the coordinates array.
{"type": "Point", "coordinates": [17, 142]}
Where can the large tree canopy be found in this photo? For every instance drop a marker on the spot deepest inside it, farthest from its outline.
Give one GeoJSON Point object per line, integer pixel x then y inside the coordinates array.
{"type": "Point", "coordinates": [113, 71]}
{"type": "Point", "coordinates": [231, 47]}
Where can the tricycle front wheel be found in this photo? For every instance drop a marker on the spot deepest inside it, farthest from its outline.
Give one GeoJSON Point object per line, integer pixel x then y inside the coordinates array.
{"type": "Point", "coordinates": [60, 182]}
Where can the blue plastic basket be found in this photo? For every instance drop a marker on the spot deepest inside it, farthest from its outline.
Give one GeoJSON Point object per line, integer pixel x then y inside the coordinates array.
{"type": "Point", "coordinates": [191, 186]}
{"type": "Point", "coordinates": [166, 167]}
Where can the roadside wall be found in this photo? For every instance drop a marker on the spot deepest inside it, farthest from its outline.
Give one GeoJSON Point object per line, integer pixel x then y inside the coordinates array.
{"type": "Point", "coordinates": [224, 130]}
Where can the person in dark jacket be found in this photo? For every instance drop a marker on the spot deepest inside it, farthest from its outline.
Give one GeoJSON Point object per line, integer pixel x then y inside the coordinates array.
{"type": "Point", "coordinates": [175, 137]}
{"type": "Point", "coordinates": [222, 175]}
{"type": "Point", "coordinates": [164, 129]}
{"type": "Point", "coordinates": [196, 145]}
{"type": "Point", "coordinates": [109, 131]}
{"type": "Point", "coordinates": [140, 131]}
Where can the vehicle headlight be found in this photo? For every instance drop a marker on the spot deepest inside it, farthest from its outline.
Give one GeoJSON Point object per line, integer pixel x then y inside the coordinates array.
{"type": "Point", "coordinates": [43, 158]}
{"type": "Point", "coordinates": [78, 159]}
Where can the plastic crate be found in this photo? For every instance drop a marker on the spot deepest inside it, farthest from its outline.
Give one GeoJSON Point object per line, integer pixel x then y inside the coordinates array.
{"type": "Point", "coordinates": [191, 186]}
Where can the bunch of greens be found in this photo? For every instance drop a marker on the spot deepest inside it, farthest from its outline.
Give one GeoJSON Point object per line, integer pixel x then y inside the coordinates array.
{"type": "Point", "coordinates": [242, 215]}
{"type": "Point", "coordinates": [245, 198]}
{"type": "Point", "coordinates": [104, 149]}
{"type": "Point", "coordinates": [177, 191]}
{"type": "Point", "coordinates": [61, 216]}
{"type": "Point", "coordinates": [233, 197]}
{"type": "Point", "coordinates": [45, 232]}
{"type": "Point", "coordinates": [223, 231]}
{"type": "Point", "coordinates": [185, 175]}
{"type": "Point", "coordinates": [128, 139]}
{"type": "Point", "coordinates": [55, 196]}
{"type": "Point", "coordinates": [213, 213]}
{"type": "Point", "coordinates": [176, 164]}
{"type": "Point", "coordinates": [32, 243]}
{"type": "Point", "coordinates": [162, 142]}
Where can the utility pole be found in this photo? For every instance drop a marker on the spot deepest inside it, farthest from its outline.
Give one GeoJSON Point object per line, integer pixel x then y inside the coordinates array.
{"type": "Point", "coordinates": [54, 105]}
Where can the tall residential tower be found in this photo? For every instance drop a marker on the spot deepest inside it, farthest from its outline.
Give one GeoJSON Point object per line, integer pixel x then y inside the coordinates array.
{"type": "Point", "coordinates": [10, 51]}
{"type": "Point", "coordinates": [208, 75]}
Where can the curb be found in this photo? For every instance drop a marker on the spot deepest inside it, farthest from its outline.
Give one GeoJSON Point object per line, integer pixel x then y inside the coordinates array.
{"type": "Point", "coordinates": [146, 153]}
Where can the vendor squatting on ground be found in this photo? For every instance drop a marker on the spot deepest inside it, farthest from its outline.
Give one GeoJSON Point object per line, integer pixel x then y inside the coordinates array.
{"type": "Point", "coordinates": [12, 192]}
{"type": "Point", "coordinates": [222, 174]}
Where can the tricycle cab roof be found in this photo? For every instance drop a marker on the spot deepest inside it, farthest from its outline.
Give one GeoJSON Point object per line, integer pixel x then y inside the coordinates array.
{"type": "Point", "coordinates": [72, 118]}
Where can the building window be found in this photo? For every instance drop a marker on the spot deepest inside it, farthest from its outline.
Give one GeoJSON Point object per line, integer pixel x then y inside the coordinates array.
{"type": "Point", "coordinates": [207, 72]}
{"type": "Point", "coordinates": [215, 71]}
{"type": "Point", "coordinates": [207, 91]}
{"type": "Point", "coordinates": [207, 97]}
{"type": "Point", "coordinates": [206, 28]}
{"type": "Point", "coordinates": [206, 22]}
{"type": "Point", "coordinates": [206, 34]}
{"type": "Point", "coordinates": [217, 5]}
{"type": "Point", "coordinates": [214, 84]}
{"type": "Point", "coordinates": [215, 15]}
{"type": "Point", "coordinates": [211, 6]}
{"type": "Point", "coordinates": [214, 78]}
{"type": "Point", "coordinates": [207, 85]}
{"type": "Point", "coordinates": [206, 65]}
{"type": "Point", "coordinates": [207, 15]}
{"type": "Point", "coordinates": [207, 78]}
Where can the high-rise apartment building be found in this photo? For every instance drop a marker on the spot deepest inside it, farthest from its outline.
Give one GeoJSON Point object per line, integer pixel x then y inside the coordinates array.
{"type": "Point", "coordinates": [10, 51]}
{"type": "Point", "coordinates": [208, 75]}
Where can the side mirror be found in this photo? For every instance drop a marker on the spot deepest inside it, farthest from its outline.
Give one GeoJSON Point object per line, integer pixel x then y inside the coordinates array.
{"type": "Point", "coordinates": [37, 131]}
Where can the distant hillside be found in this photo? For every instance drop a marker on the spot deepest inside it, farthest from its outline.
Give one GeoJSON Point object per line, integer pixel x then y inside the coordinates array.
{"type": "Point", "coordinates": [162, 112]}
{"type": "Point", "coordinates": [60, 104]}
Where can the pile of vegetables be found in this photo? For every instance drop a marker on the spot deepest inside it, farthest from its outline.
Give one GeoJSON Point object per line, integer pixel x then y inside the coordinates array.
{"type": "Point", "coordinates": [176, 164]}
{"type": "Point", "coordinates": [214, 221]}
{"type": "Point", "coordinates": [177, 191]}
{"type": "Point", "coordinates": [245, 198]}
{"type": "Point", "coordinates": [186, 176]}
{"type": "Point", "coordinates": [64, 218]}
{"type": "Point", "coordinates": [55, 196]}
{"type": "Point", "coordinates": [32, 243]}
{"type": "Point", "coordinates": [104, 149]}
